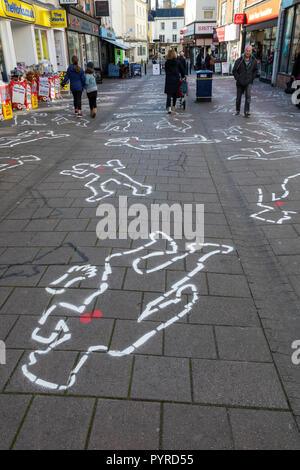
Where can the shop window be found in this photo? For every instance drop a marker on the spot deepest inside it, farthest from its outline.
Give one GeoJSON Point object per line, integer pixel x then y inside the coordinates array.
{"type": "Point", "coordinates": [74, 45]}
{"type": "Point", "coordinates": [236, 8]}
{"type": "Point", "coordinates": [92, 51]}
{"type": "Point", "coordinates": [41, 41]}
{"type": "Point", "coordinates": [161, 38]}
{"type": "Point", "coordinates": [174, 37]}
{"type": "Point", "coordinates": [162, 26]}
{"type": "Point", "coordinates": [295, 45]}
{"type": "Point", "coordinates": [286, 41]}
{"type": "Point", "coordinates": [174, 24]}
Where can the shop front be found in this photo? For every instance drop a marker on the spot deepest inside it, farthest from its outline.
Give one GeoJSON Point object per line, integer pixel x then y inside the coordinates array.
{"type": "Point", "coordinates": [83, 38]}
{"type": "Point", "coordinates": [261, 31]}
{"type": "Point", "coordinates": [28, 36]}
{"type": "Point", "coordinates": [113, 53]}
{"type": "Point", "coordinates": [290, 40]}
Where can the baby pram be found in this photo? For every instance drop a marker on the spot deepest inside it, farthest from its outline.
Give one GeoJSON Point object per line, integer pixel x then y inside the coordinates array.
{"type": "Point", "coordinates": [182, 93]}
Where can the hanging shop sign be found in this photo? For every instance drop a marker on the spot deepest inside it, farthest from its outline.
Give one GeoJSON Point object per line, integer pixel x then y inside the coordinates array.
{"type": "Point", "coordinates": [106, 34]}
{"type": "Point", "coordinates": [82, 26]}
{"type": "Point", "coordinates": [58, 18]}
{"type": "Point", "coordinates": [17, 10]}
{"type": "Point", "coordinates": [101, 8]}
{"type": "Point", "coordinates": [220, 34]}
{"type": "Point", "coordinates": [204, 28]}
{"type": "Point", "coordinates": [232, 32]}
{"type": "Point", "coordinates": [266, 11]}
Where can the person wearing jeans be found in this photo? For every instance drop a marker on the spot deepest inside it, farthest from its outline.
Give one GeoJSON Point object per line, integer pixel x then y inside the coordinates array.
{"type": "Point", "coordinates": [245, 71]}
{"type": "Point", "coordinates": [77, 81]}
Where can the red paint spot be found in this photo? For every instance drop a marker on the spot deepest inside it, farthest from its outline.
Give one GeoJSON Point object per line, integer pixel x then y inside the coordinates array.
{"type": "Point", "coordinates": [132, 140]}
{"type": "Point", "coordinates": [97, 314]}
{"type": "Point", "coordinates": [278, 203]}
{"type": "Point", "coordinates": [85, 318]}
{"type": "Point", "coordinates": [12, 162]}
{"type": "Point", "coordinates": [100, 168]}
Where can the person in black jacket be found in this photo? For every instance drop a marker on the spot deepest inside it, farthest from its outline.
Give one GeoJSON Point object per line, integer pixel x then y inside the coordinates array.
{"type": "Point", "coordinates": [245, 71]}
{"type": "Point", "coordinates": [182, 60]}
{"type": "Point", "coordinates": [296, 68]}
{"type": "Point", "coordinates": [173, 69]}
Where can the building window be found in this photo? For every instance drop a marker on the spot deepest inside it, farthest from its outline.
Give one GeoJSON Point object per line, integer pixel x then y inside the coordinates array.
{"type": "Point", "coordinates": [174, 37]}
{"type": "Point", "coordinates": [162, 26]}
{"type": "Point", "coordinates": [223, 13]}
{"type": "Point", "coordinates": [161, 38]}
{"type": "Point", "coordinates": [174, 24]}
{"type": "Point", "coordinates": [236, 8]}
{"type": "Point", "coordinates": [208, 14]}
{"type": "Point", "coordinates": [290, 45]}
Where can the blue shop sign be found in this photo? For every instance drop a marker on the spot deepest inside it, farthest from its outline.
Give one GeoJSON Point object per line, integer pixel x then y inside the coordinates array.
{"type": "Point", "coordinates": [106, 34]}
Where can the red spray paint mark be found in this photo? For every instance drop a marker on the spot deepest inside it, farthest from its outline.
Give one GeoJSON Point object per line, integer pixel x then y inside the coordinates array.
{"type": "Point", "coordinates": [133, 140]}
{"type": "Point", "coordinates": [87, 317]}
{"type": "Point", "coordinates": [12, 162]}
{"type": "Point", "coordinates": [100, 168]}
{"type": "Point", "coordinates": [278, 203]}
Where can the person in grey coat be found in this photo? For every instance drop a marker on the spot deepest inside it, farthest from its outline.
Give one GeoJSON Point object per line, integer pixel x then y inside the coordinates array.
{"type": "Point", "coordinates": [245, 71]}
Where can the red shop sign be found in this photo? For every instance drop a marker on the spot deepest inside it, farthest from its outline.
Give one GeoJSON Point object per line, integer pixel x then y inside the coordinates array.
{"type": "Point", "coordinates": [220, 32]}
{"type": "Point", "coordinates": [239, 18]}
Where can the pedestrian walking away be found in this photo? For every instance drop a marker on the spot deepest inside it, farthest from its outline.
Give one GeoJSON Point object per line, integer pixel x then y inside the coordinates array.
{"type": "Point", "coordinates": [245, 71]}
{"type": "Point", "coordinates": [182, 60]}
{"type": "Point", "coordinates": [77, 81]}
{"type": "Point", "coordinates": [174, 70]}
{"type": "Point", "coordinates": [91, 88]}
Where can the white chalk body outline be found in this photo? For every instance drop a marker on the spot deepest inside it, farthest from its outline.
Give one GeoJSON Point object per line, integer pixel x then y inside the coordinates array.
{"type": "Point", "coordinates": [61, 331]}
{"type": "Point", "coordinates": [266, 208]}
{"type": "Point", "coordinates": [160, 143]}
{"type": "Point", "coordinates": [19, 161]}
{"type": "Point", "coordinates": [33, 136]}
{"type": "Point", "coordinates": [83, 171]}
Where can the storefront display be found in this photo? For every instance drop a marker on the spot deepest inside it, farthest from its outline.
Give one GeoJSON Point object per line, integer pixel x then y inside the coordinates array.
{"type": "Point", "coordinates": [5, 102]}
{"type": "Point", "coordinates": [261, 31]}
{"type": "Point", "coordinates": [290, 43]}
{"type": "Point", "coordinates": [83, 38]}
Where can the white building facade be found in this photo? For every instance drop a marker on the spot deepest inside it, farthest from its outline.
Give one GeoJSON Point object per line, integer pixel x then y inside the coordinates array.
{"type": "Point", "coordinates": [166, 26]}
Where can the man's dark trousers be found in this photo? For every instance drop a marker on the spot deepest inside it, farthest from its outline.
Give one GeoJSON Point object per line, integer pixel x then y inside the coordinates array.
{"type": "Point", "coordinates": [240, 91]}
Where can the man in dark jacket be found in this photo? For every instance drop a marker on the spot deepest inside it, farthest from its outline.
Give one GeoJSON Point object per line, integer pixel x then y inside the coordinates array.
{"type": "Point", "coordinates": [245, 71]}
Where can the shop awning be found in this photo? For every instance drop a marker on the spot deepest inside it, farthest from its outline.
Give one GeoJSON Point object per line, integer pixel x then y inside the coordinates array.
{"type": "Point", "coordinates": [118, 45]}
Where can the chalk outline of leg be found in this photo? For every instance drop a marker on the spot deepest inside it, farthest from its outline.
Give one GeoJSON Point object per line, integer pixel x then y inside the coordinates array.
{"type": "Point", "coordinates": [161, 302]}
{"type": "Point", "coordinates": [170, 141]}
{"type": "Point", "coordinates": [19, 161]}
{"type": "Point", "coordinates": [115, 126]}
{"type": "Point", "coordinates": [275, 199]}
{"type": "Point", "coordinates": [17, 140]}
{"type": "Point", "coordinates": [258, 151]}
{"type": "Point", "coordinates": [164, 123]}
{"type": "Point", "coordinates": [116, 165]}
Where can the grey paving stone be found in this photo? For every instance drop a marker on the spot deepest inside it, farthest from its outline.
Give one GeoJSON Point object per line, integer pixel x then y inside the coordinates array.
{"type": "Point", "coordinates": [264, 430]}
{"type": "Point", "coordinates": [228, 285]}
{"type": "Point", "coordinates": [199, 281]}
{"type": "Point", "coordinates": [12, 225]}
{"type": "Point", "coordinates": [82, 239]}
{"type": "Point", "coordinates": [195, 428]}
{"type": "Point", "coordinates": [72, 225]}
{"type": "Point", "coordinates": [290, 246]}
{"type": "Point", "coordinates": [295, 280]}
{"type": "Point", "coordinates": [104, 375]}
{"type": "Point", "coordinates": [97, 332]}
{"type": "Point", "coordinates": [218, 264]}
{"type": "Point", "coordinates": [18, 255]}
{"type": "Point", "coordinates": [26, 301]}
{"type": "Point", "coordinates": [6, 324]}
{"type": "Point", "coordinates": [291, 264]}
{"type": "Point", "coordinates": [283, 231]}
{"type": "Point", "coordinates": [138, 426]}
{"type": "Point", "coordinates": [127, 332]}
{"type": "Point", "coordinates": [161, 378]}
{"type": "Point", "coordinates": [242, 344]}
{"type": "Point", "coordinates": [189, 341]}
{"type": "Point", "coordinates": [12, 357]}
{"type": "Point", "coordinates": [12, 410]}
{"type": "Point", "coordinates": [65, 213]}
{"type": "Point", "coordinates": [53, 368]}
{"type": "Point", "coordinates": [150, 282]}
{"type": "Point", "coordinates": [237, 383]}
{"type": "Point", "coordinates": [4, 293]}
{"type": "Point", "coordinates": [28, 275]}
{"type": "Point", "coordinates": [120, 304]}
{"type": "Point", "coordinates": [41, 225]}
{"type": "Point", "coordinates": [56, 423]}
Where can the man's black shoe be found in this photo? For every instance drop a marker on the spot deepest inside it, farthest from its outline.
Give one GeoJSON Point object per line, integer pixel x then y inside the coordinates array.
{"type": "Point", "coordinates": [247, 115]}
{"type": "Point", "coordinates": [237, 113]}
